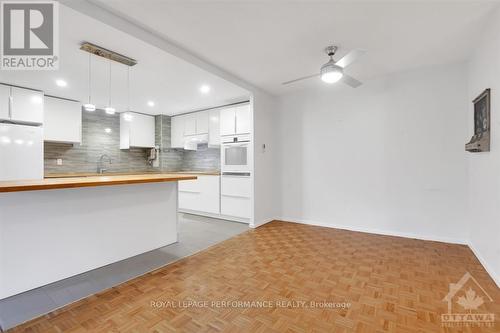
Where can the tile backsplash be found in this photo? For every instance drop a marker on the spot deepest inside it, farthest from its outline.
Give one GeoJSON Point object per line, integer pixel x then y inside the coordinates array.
{"type": "Point", "coordinates": [203, 159]}
{"type": "Point", "coordinates": [96, 141]}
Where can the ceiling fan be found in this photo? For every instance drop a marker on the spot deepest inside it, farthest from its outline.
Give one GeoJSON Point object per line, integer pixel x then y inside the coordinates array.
{"type": "Point", "coordinates": [333, 71]}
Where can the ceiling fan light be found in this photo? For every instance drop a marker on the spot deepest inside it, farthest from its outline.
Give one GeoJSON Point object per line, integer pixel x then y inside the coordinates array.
{"type": "Point", "coordinates": [331, 77]}
{"type": "Point", "coordinates": [331, 73]}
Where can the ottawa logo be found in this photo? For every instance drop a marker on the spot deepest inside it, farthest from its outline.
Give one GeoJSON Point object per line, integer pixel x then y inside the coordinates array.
{"type": "Point", "coordinates": [464, 300]}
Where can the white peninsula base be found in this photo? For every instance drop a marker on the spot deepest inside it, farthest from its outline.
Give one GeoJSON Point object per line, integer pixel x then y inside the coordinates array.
{"type": "Point", "coordinates": [49, 235]}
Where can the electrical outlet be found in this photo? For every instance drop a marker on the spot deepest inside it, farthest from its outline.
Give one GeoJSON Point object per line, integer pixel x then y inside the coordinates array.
{"type": "Point", "coordinates": [59, 161]}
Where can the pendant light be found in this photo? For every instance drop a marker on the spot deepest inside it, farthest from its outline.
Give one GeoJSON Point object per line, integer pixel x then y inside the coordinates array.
{"type": "Point", "coordinates": [109, 109]}
{"type": "Point", "coordinates": [89, 106]}
{"type": "Point", "coordinates": [128, 116]}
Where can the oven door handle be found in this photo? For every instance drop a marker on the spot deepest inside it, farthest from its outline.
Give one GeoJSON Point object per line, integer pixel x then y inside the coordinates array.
{"type": "Point", "coordinates": [236, 174]}
{"type": "Point", "coordinates": [239, 143]}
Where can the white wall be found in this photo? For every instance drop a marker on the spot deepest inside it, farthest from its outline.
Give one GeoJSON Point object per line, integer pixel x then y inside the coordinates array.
{"type": "Point", "coordinates": [266, 204]}
{"type": "Point", "coordinates": [387, 157]}
{"type": "Point", "coordinates": [484, 168]}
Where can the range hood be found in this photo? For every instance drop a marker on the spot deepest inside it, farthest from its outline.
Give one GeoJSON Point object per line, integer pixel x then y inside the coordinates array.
{"type": "Point", "coordinates": [191, 142]}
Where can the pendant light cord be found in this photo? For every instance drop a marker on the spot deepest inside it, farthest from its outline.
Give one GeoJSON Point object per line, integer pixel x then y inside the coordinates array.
{"type": "Point", "coordinates": [128, 88]}
{"type": "Point", "coordinates": [90, 77]}
{"type": "Point", "coordinates": [109, 104]}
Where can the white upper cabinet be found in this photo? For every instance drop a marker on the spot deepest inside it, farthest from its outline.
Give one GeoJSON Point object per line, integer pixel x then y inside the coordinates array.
{"type": "Point", "coordinates": [4, 102]}
{"type": "Point", "coordinates": [190, 124]}
{"type": "Point", "coordinates": [177, 132]}
{"type": "Point", "coordinates": [26, 105]}
{"type": "Point", "coordinates": [21, 105]}
{"type": "Point", "coordinates": [235, 120]}
{"type": "Point", "coordinates": [190, 129]}
{"type": "Point", "coordinates": [196, 123]}
{"type": "Point", "coordinates": [227, 121]}
{"type": "Point", "coordinates": [137, 130]}
{"type": "Point", "coordinates": [62, 120]}
{"type": "Point", "coordinates": [213, 128]}
{"type": "Point", "coordinates": [243, 119]}
{"type": "Point", "coordinates": [201, 122]}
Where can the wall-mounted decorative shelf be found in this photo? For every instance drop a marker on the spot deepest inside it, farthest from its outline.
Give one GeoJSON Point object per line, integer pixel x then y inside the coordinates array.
{"type": "Point", "coordinates": [480, 141]}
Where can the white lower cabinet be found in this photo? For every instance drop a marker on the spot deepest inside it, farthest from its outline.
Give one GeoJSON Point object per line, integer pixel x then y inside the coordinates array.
{"type": "Point", "coordinates": [235, 206]}
{"type": "Point", "coordinates": [236, 194]}
{"type": "Point", "coordinates": [226, 197]}
{"type": "Point", "coordinates": [201, 195]}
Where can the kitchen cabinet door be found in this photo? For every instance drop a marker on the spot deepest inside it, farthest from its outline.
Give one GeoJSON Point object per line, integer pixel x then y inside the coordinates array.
{"type": "Point", "coordinates": [200, 195]}
{"type": "Point", "coordinates": [23, 159]}
{"type": "Point", "coordinates": [236, 193]}
{"type": "Point", "coordinates": [236, 206]}
{"type": "Point", "coordinates": [201, 122]}
{"type": "Point", "coordinates": [227, 121]}
{"type": "Point", "coordinates": [62, 120]}
{"type": "Point", "coordinates": [190, 124]}
{"type": "Point", "coordinates": [27, 105]}
{"type": "Point", "coordinates": [137, 130]}
{"type": "Point", "coordinates": [213, 128]}
{"type": "Point", "coordinates": [238, 186]}
{"type": "Point", "coordinates": [4, 102]}
{"type": "Point", "coordinates": [243, 119]}
{"type": "Point", "coordinates": [142, 131]}
{"type": "Point", "coordinates": [177, 132]}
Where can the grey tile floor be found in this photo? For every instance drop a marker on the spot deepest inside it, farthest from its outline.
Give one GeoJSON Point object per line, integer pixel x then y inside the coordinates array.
{"type": "Point", "coordinates": [195, 234]}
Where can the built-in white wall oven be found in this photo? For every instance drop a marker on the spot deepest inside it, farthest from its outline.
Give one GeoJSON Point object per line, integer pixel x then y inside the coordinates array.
{"type": "Point", "coordinates": [236, 154]}
{"type": "Point", "coordinates": [236, 180]}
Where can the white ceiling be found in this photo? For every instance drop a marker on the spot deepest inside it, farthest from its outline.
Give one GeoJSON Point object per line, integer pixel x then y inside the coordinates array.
{"type": "Point", "coordinates": [172, 83]}
{"type": "Point", "coordinates": [266, 43]}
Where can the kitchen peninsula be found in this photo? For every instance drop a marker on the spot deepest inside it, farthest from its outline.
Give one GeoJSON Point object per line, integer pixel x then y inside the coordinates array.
{"type": "Point", "coordinates": [81, 223]}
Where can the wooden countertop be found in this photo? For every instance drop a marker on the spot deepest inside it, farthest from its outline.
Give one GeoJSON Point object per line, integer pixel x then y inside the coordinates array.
{"type": "Point", "coordinates": [73, 182]}
{"type": "Point", "coordinates": [95, 174]}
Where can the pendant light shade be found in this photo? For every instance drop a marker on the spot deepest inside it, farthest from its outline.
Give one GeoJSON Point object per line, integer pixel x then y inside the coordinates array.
{"type": "Point", "coordinates": [89, 106]}
{"type": "Point", "coordinates": [109, 109]}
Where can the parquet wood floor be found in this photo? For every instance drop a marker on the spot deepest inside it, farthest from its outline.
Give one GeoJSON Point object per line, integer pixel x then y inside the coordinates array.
{"type": "Point", "coordinates": [393, 284]}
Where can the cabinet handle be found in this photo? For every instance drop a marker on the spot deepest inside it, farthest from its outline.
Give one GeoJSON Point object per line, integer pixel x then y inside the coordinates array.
{"type": "Point", "coordinates": [11, 105]}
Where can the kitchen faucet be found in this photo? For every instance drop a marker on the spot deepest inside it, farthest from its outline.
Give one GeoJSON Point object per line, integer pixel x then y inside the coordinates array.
{"type": "Point", "coordinates": [100, 169]}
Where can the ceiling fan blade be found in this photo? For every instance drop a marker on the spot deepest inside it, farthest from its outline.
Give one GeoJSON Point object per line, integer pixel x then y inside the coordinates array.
{"type": "Point", "coordinates": [301, 78]}
{"type": "Point", "coordinates": [350, 58]}
{"type": "Point", "coordinates": [350, 81]}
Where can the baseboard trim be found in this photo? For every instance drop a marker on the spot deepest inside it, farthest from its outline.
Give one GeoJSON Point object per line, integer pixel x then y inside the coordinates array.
{"type": "Point", "coordinates": [215, 216]}
{"type": "Point", "coordinates": [260, 224]}
{"type": "Point", "coordinates": [495, 277]}
{"type": "Point", "coordinates": [376, 231]}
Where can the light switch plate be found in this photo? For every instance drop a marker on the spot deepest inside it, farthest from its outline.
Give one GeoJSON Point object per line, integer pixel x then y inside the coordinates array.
{"type": "Point", "coordinates": [59, 161]}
